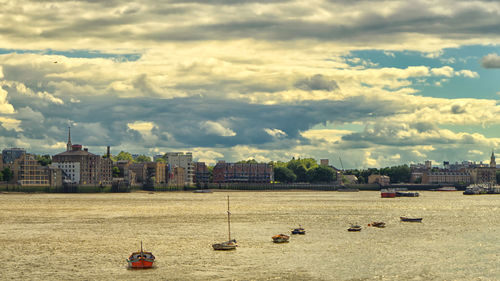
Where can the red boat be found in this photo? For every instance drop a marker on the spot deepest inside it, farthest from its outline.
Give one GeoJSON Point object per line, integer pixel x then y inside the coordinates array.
{"type": "Point", "coordinates": [141, 259]}
{"type": "Point", "coordinates": [386, 193]}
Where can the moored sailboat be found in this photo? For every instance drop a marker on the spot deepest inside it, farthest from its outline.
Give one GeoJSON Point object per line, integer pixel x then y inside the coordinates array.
{"type": "Point", "coordinates": [230, 244]}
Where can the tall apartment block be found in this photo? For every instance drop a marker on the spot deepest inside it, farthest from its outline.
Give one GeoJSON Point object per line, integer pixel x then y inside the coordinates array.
{"type": "Point", "coordinates": [9, 155]}
{"type": "Point", "coordinates": [182, 160]}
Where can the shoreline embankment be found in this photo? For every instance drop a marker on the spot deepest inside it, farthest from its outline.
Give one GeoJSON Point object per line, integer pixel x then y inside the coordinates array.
{"type": "Point", "coordinates": [219, 187]}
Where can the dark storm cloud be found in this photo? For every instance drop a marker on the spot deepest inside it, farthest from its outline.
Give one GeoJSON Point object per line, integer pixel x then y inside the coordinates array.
{"type": "Point", "coordinates": [231, 19]}
{"type": "Point", "coordinates": [424, 127]}
{"type": "Point", "coordinates": [317, 82]}
{"type": "Point", "coordinates": [227, 2]}
{"type": "Point", "coordinates": [102, 121]}
{"type": "Point", "coordinates": [457, 109]}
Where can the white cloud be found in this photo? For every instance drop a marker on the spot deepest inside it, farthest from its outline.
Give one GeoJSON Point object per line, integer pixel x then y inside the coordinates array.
{"type": "Point", "coordinates": [142, 126]}
{"type": "Point", "coordinates": [5, 106]}
{"type": "Point", "coordinates": [277, 133]}
{"type": "Point", "coordinates": [10, 124]}
{"type": "Point", "coordinates": [216, 128]}
{"type": "Point", "coordinates": [476, 152]}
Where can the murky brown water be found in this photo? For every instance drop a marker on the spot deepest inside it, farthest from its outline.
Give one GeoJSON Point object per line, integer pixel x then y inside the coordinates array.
{"type": "Point", "coordinates": [89, 236]}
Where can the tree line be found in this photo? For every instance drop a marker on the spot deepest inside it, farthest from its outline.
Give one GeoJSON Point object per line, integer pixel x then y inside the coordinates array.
{"type": "Point", "coordinates": [401, 173]}
{"type": "Point", "coordinates": [303, 170]}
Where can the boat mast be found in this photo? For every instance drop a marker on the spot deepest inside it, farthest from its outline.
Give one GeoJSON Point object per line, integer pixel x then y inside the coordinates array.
{"type": "Point", "coordinates": [141, 247]}
{"type": "Point", "coordinates": [228, 219]}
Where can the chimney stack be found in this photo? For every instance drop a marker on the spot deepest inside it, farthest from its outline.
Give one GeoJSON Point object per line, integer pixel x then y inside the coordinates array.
{"type": "Point", "coordinates": [108, 155]}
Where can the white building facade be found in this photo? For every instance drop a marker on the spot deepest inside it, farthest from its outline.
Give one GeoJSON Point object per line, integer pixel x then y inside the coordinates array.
{"type": "Point", "coordinates": [70, 169]}
{"type": "Point", "coordinates": [182, 160]}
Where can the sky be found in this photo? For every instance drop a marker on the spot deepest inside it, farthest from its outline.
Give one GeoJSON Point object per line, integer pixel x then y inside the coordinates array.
{"type": "Point", "coordinates": [374, 83]}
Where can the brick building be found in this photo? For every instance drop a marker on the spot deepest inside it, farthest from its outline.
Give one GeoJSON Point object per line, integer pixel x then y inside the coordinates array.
{"type": "Point", "coordinates": [31, 173]}
{"type": "Point", "coordinates": [446, 177]}
{"type": "Point", "coordinates": [82, 167]}
{"type": "Point", "coordinates": [201, 173]}
{"type": "Point", "coordinates": [242, 172]}
{"type": "Point", "coordinates": [380, 179]}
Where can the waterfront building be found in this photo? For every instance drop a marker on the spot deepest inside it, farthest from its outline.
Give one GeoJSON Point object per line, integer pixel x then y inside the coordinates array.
{"type": "Point", "coordinates": [31, 173]}
{"type": "Point", "coordinates": [380, 179]}
{"type": "Point", "coordinates": [155, 173]}
{"type": "Point", "coordinates": [183, 160]}
{"type": "Point", "coordinates": [9, 155]}
{"type": "Point", "coordinates": [177, 177]}
{"type": "Point", "coordinates": [483, 175]}
{"type": "Point", "coordinates": [140, 171]}
{"type": "Point", "coordinates": [324, 162]}
{"type": "Point", "coordinates": [79, 166]}
{"type": "Point", "coordinates": [201, 173]}
{"type": "Point", "coordinates": [147, 173]}
{"type": "Point", "coordinates": [242, 173]}
{"type": "Point", "coordinates": [82, 167]}
{"type": "Point", "coordinates": [126, 175]}
{"type": "Point", "coordinates": [446, 177]}
{"type": "Point", "coordinates": [349, 179]}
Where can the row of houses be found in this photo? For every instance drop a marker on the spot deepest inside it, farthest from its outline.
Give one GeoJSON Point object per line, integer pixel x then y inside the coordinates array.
{"type": "Point", "coordinates": [78, 166]}
{"type": "Point", "coordinates": [464, 173]}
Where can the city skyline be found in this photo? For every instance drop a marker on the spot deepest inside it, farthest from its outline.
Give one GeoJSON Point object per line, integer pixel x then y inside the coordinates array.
{"type": "Point", "coordinates": [376, 83]}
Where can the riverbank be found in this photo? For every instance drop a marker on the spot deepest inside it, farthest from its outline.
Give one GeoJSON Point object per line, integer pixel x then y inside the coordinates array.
{"type": "Point", "coordinates": [222, 187]}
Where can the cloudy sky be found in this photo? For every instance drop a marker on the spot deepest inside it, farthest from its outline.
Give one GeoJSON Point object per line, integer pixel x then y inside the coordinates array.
{"type": "Point", "coordinates": [376, 83]}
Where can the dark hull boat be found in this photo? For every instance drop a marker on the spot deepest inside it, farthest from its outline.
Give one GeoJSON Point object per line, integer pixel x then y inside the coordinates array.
{"type": "Point", "coordinates": [411, 219]}
{"type": "Point", "coordinates": [299, 230]}
{"type": "Point", "coordinates": [406, 194]}
{"type": "Point", "coordinates": [354, 228]}
{"type": "Point", "coordinates": [378, 224]}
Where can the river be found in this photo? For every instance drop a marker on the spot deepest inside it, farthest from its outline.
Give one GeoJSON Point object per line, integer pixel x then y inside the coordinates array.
{"type": "Point", "coordinates": [89, 236]}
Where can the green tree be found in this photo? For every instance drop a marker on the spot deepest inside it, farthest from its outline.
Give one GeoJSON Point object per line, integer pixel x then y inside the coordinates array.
{"type": "Point", "coordinates": [1, 176]}
{"type": "Point", "coordinates": [320, 174]}
{"type": "Point", "coordinates": [161, 160]}
{"type": "Point", "coordinates": [210, 173]}
{"type": "Point", "coordinates": [283, 174]}
{"type": "Point", "coordinates": [397, 174]}
{"type": "Point", "coordinates": [124, 156]}
{"type": "Point", "coordinates": [142, 158]}
{"type": "Point", "coordinates": [249, 161]}
{"type": "Point", "coordinates": [44, 160]}
{"type": "Point", "coordinates": [278, 164]}
{"type": "Point", "coordinates": [299, 170]}
{"type": "Point", "coordinates": [116, 172]}
{"type": "Point", "coordinates": [7, 174]}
